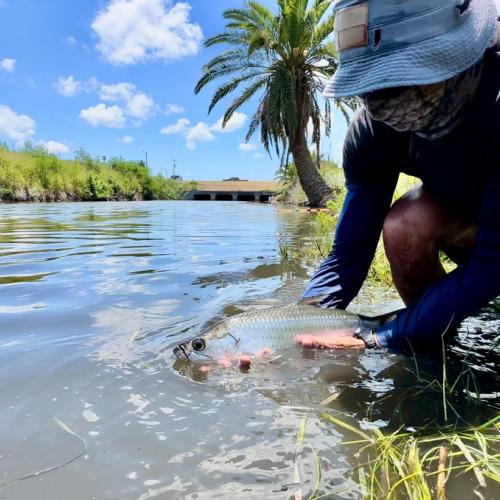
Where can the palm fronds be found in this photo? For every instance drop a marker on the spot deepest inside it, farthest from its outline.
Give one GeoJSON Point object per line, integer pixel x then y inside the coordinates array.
{"type": "Point", "coordinates": [285, 59]}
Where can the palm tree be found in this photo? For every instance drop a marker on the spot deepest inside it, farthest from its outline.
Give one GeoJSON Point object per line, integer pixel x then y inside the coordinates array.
{"type": "Point", "coordinates": [288, 59]}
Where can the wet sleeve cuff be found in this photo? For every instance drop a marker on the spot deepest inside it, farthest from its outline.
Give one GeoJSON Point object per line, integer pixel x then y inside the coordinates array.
{"type": "Point", "coordinates": [385, 334]}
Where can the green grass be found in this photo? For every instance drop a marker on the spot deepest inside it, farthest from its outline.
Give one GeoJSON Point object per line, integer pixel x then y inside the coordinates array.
{"type": "Point", "coordinates": [416, 465]}
{"type": "Point", "coordinates": [406, 465]}
{"type": "Point", "coordinates": [425, 462]}
{"type": "Point", "coordinates": [33, 174]}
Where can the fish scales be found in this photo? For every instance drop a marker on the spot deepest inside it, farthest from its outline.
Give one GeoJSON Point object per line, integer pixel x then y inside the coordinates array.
{"type": "Point", "coordinates": [277, 327]}
{"type": "Point", "coordinates": [274, 328]}
{"type": "Point", "coordinates": [297, 314]}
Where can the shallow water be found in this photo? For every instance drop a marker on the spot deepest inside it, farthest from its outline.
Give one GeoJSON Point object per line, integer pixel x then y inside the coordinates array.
{"type": "Point", "coordinates": [92, 298]}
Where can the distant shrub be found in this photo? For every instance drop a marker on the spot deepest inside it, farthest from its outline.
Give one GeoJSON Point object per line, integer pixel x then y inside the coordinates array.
{"type": "Point", "coordinates": [33, 174]}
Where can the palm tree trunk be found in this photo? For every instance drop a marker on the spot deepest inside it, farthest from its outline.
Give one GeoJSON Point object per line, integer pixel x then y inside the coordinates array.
{"type": "Point", "coordinates": [316, 189]}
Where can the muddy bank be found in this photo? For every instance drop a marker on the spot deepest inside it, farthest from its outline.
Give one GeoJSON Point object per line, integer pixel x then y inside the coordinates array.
{"type": "Point", "coordinates": [26, 195]}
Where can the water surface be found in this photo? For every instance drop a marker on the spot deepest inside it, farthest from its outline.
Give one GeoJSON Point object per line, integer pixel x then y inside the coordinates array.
{"type": "Point", "coordinates": [92, 298]}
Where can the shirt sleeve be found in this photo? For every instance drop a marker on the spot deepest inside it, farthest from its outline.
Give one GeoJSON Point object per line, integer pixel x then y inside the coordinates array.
{"type": "Point", "coordinates": [370, 182]}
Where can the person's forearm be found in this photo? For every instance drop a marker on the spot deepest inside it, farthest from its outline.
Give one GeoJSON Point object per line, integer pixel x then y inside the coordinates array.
{"type": "Point", "coordinates": [341, 275]}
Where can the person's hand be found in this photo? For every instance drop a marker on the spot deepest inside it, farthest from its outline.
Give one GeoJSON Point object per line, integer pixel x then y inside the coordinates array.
{"type": "Point", "coordinates": [244, 361]}
{"type": "Point", "coordinates": [337, 339]}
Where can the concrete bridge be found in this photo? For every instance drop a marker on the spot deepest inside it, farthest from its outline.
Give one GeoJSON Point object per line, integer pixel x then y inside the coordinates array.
{"type": "Point", "coordinates": [260, 191]}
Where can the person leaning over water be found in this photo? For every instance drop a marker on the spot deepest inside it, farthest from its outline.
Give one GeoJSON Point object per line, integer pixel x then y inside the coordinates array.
{"type": "Point", "coordinates": [428, 75]}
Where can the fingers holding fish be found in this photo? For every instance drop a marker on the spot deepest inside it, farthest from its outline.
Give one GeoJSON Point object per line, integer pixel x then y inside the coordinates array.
{"type": "Point", "coordinates": [245, 361]}
{"type": "Point", "coordinates": [266, 352]}
{"type": "Point", "coordinates": [225, 362]}
{"type": "Point", "coordinates": [262, 354]}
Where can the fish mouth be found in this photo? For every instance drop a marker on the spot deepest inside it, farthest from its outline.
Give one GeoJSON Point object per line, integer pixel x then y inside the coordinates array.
{"type": "Point", "coordinates": [181, 353]}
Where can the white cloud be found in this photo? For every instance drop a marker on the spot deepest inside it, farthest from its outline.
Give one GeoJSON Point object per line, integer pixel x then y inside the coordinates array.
{"type": "Point", "coordinates": [129, 102]}
{"type": "Point", "coordinates": [131, 31]}
{"type": "Point", "coordinates": [201, 132]}
{"type": "Point", "coordinates": [178, 127]}
{"type": "Point", "coordinates": [172, 109]}
{"type": "Point", "coordinates": [54, 147]}
{"type": "Point", "coordinates": [137, 104]}
{"type": "Point", "coordinates": [258, 155]}
{"type": "Point", "coordinates": [102, 115]}
{"type": "Point", "coordinates": [247, 146]}
{"type": "Point", "coordinates": [140, 106]}
{"type": "Point", "coordinates": [7, 65]}
{"type": "Point", "coordinates": [70, 40]}
{"type": "Point", "coordinates": [235, 122]}
{"type": "Point", "coordinates": [122, 91]}
{"type": "Point", "coordinates": [68, 86]}
{"type": "Point", "coordinates": [19, 128]}
{"type": "Point", "coordinates": [126, 139]}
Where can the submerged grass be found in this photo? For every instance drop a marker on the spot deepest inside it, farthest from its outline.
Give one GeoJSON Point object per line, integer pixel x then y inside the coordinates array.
{"type": "Point", "coordinates": [38, 473]}
{"type": "Point", "coordinates": [422, 464]}
{"type": "Point", "coordinates": [297, 479]}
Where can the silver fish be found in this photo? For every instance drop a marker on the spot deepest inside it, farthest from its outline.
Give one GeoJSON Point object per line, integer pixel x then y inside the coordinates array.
{"type": "Point", "coordinates": [274, 328]}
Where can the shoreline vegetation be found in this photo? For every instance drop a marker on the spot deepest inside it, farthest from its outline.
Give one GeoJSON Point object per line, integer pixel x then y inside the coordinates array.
{"type": "Point", "coordinates": [35, 175]}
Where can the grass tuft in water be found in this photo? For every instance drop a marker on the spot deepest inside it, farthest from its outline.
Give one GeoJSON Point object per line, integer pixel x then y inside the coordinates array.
{"type": "Point", "coordinates": [407, 465]}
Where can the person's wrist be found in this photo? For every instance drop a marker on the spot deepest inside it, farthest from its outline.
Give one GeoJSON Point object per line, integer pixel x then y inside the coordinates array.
{"type": "Point", "coordinates": [370, 338]}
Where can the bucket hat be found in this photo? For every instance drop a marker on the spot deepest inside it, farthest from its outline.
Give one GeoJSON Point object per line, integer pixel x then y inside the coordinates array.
{"type": "Point", "coordinates": [394, 43]}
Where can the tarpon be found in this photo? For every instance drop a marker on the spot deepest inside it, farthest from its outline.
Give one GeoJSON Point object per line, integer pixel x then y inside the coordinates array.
{"type": "Point", "coordinates": [275, 328]}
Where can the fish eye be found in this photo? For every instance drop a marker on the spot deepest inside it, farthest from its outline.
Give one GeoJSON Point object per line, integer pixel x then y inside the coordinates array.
{"type": "Point", "coordinates": [198, 344]}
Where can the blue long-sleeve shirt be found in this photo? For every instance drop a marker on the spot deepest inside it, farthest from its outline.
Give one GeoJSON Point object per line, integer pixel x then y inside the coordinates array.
{"type": "Point", "coordinates": [462, 170]}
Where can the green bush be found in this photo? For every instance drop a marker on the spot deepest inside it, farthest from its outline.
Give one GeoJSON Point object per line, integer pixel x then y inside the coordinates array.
{"type": "Point", "coordinates": [33, 174]}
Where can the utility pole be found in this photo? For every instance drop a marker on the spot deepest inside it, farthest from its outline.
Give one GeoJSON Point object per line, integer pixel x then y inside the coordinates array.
{"type": "Point", "coordinates": [146, 153]}
{"type": "Point", "coordinates": [173, 169]}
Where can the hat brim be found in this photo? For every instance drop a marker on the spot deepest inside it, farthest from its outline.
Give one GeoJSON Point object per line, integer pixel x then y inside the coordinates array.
{"type": "Point", "coordinates": [422, 63]}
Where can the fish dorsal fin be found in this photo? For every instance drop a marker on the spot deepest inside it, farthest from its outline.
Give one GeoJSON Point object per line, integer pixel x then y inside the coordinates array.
{"type": "Point", "coordinates": [311, 301]}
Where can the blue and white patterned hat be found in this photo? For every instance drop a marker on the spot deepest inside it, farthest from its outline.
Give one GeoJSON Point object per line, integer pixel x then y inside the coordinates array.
{"type": "Point", "coordinates": [394, 43]}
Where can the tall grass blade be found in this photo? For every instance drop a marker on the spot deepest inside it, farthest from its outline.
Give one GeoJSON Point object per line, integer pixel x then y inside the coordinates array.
{"type": "Point", "coordinates": [345, 425]}
{"type": "Point", "coordinates": [470, 458]}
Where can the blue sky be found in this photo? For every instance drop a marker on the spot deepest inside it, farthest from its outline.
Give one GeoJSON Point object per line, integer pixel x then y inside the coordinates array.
{"type": "Point", "coordinates": [116, 78]}
{"type": "Point", "coordinates": [108, 77]}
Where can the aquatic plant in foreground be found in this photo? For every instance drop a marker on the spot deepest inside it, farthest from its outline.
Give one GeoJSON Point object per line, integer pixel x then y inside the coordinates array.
{"type": "Point", "coordinates": [404, 462]}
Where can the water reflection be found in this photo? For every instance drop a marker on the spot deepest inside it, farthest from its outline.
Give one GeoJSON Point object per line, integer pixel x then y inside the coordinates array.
{"type": "Point", "coordinates": [92, 298]}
